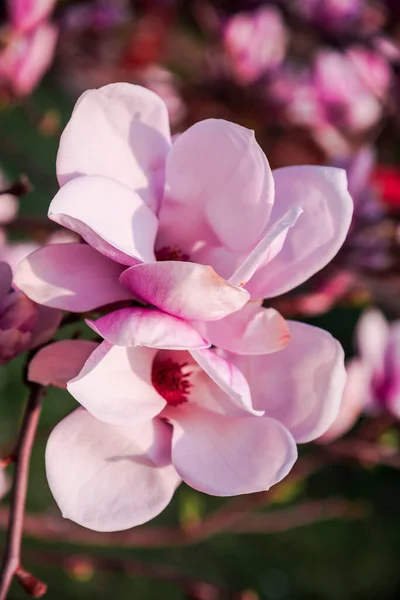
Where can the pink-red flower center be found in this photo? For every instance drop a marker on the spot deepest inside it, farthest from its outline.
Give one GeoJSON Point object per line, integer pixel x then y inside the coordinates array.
{"type": "Point", "coordinates": [171, 382]}
{"type": "Point", "coordinates": [171, 253]}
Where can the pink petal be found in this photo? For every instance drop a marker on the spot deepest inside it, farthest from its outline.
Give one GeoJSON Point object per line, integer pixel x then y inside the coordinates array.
{"type": "Point", "coordinates": [266, 249]}
{"type": "Point", "coordinates": [392, 364]}
{"type": "Point", "coordinates": [120, 131]}
{"type": "Point", "coordinates": [251, 330]}
{"type": "Point", "coordinates": [115, 385]}
{"type": "Point", "coordinates": [70, 276]}
{"type": "Point", "coordinates": [4, 483]}
{"type": "Point", "coordinates": [183, 289]}
{"type": "Point", "coordinates": [227, 456]}
{"type": "Point", "coordinates": [25, 14]}
{"type": "Point", "coordinates": [48, 321]}
{"type": "Point", "coordinates": [302, 385]}
{"type": "Point", "coordinates": [147, 327]}
{"type": "Point", "coordinates": [5, 278]}
{"type": "Point", "coordinates": [317, 236]}
{"type": "Point", "coordinates": [110, 216]}
{"type": "Point", "coordinates": [103, 477]}
{"type": "Point", "coordinates": [227, 376]}
{"type": "Point", "coordinates": [219, 184]}
{"type": "Point", "coordinates": [372, 335]}
{"type": "Point", "coordinates": [8, 204]}
{"type": "Point", "coordinates": [354, 399]}
{"type": "Point", "coordinates": [35, 52]}
{"type": "Point", "coordinates": [59, 362]}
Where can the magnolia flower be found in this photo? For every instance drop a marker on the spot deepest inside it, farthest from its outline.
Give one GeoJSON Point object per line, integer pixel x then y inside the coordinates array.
{"type": "Point", "coordinates": [255, 42]}
{"type": "Point", "coordinates": [26, 57]}
{"type": "Point", "coordinates": [373, 378]}
{"type": "Point", "coordinates": [23, 324]}
{"type": "Point", "coordinates": [195, 228]}
{"type": "Point", "coordinates": [153, 417]}
{"type": "Point", "coordinates": [348, 96]}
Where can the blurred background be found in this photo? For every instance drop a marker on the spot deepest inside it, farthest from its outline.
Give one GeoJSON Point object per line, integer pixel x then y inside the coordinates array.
{"type": "Point", "coordinates": [319, 82]}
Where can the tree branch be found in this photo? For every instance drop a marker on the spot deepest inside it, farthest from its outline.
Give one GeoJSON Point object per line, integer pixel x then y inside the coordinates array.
{"type": "Point", "coordinates": [11, 565]}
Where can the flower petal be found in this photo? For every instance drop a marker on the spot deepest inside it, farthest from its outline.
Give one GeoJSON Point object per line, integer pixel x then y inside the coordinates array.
{"type": "Point", "coordinates": [48, 321]}
{"type": "Point", "coordinates": [103, 477]}
{"type": "Point", "coordinates": [115, 385]}
{"type": "Point", "coordinates": [302, 385]}
{"type": "Point", "coordinates": [228, 456]}
{"type": "Point", "coordinates": [120, 131]}
{"type": "Point", "coordinates": [354, 399]}
{"type": "Point", "coordinates": [183, 289]}
{"type": "Point", "coordinates": [318, 234]}
{"type": "Point", "coordinates": [219, 184]}
{"type": "Point", "coordinates": [57, 363]}
{"type": "Point", "coordinates": [227, 376]}
{"type": "Point", "coordinates": [147, 327]}
{"type": "Point", "coordinates": [251, 330]}
{"type": "Point", "coordinates": [110, 216]}
{"type": "Point", "coordinates": [26, 14]}
{"type": "Point", "coordinates": [70, 276]}
{"type": "Point", "coordinates": [5, 278]}
{"type": "Point", "coordinates": [372, 337]}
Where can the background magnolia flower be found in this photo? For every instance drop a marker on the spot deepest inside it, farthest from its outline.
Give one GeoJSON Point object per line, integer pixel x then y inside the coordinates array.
{"type": "Point", "coordinates": [23, 324]}
{"type": "Point", "coordinates": [29, 45]}
{"type": "Point", "coordinates": [373, 378]}
{"type": "Point", "coordinates": [154, 416]}
{"type": "Point", "coordinates": [248, 232]}
{"type": "Point", "coordinates": [255, 43]}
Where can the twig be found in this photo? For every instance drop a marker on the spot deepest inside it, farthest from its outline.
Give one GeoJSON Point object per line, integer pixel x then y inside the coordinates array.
{"type": "Point", "coordinates": [11, 565]}
{"type": "Point", "coordinates": [300, 515]}
{"type": "Point", "coordinates": [195, 588]}
{"type": "Point", "coordinates": [363, 452]}
{"type": "Point", "coordinates": [51, 528]}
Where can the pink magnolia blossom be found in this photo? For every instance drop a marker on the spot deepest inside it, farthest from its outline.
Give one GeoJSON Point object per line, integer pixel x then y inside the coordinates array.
{"type": "Point", "coordinates": [26, 57]}
{"type": "Point", "coordinates": [373, 381]}
{"type": "Point", "coordinates": [195, 228]}
{"type": "Point", "coordinates": [350, 97]}
{"type": "Point", "coordinates": [255, 43]}
{"type": "Point", "coordinates": [152, 417]}
{"type": "Point", "coordinates": [27, 14]}
{"type": "Point", "coordinates": [23, 324]}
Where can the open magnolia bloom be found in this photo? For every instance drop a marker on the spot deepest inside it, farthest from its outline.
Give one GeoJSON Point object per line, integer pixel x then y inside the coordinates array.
{"type": "Point", "coordinates": [152, 417]}
{"type": "Point", "coordinates": [373, 378]}
{"type": "Point", "coordinates": [195, 228]}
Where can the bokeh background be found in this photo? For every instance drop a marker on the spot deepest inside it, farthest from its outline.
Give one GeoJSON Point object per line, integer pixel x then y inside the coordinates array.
{"type": "Point", "coordinates": [318, 81]}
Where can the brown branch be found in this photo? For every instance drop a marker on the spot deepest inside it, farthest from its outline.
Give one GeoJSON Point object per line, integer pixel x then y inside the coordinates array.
{"type": "Point", "coordinates": [11, 565]}
{"type": "Point", "coordinates": [300, 515]}
{"type": "Point", "coordinates": [193, 587]}
{"type": "Point", "coordinates": [363, 452]}
{"type": "Point", "coordinates": [54, 529]}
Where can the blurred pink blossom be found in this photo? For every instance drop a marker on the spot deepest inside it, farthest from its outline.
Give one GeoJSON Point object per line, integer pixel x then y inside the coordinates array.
{"type": "Point", "coordinates": [23, 324]}
{"type": "Point", "coordinates": [26, 57]}
{"type": "Point", "coordinates": [155, 416]}
{"type": "Point", "coordinates": [195, 228]}
{"type": "Point", "coordinates": [255, 43]}
{"type": "Point", "coordinates": [373, 381]}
